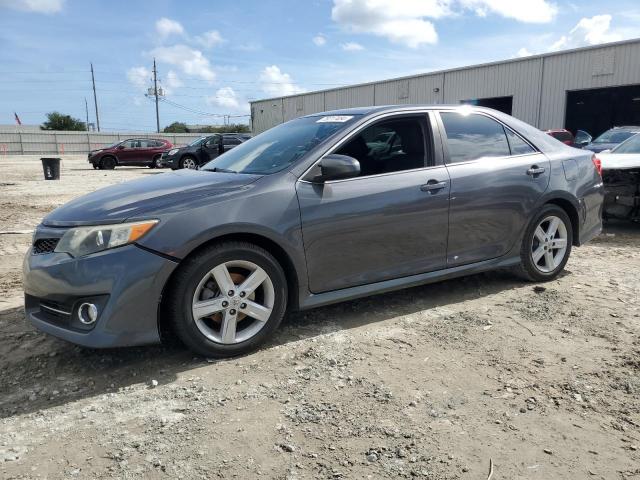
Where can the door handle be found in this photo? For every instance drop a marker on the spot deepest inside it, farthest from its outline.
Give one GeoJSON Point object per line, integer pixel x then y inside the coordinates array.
{"type": "Point", "coordinates": [433, 186]}
{"type": "Point", "coordinates": [535, 170]}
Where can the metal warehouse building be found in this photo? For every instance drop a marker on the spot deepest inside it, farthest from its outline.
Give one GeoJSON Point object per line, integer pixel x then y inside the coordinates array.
{"type": "Point", "coordinates": [591, 89]}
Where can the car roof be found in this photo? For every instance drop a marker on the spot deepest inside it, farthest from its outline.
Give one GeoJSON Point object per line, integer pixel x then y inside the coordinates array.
{"type": "Point", "coordinates": [398, 108]}
{"type": "Point", "coordinates": [626, 127]}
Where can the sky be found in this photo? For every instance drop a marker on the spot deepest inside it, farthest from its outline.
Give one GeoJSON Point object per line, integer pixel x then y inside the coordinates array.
{"type": "Point", "coordinates": [213, 57]}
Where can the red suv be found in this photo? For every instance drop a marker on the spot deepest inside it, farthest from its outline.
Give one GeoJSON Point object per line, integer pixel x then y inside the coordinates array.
{"type": "Point", "coordinates": [141, 152]}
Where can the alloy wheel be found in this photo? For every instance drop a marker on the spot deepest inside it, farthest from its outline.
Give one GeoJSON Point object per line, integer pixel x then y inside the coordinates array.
{"type": "Point", "coordinates": [233, 302]}
{"type": "Point", "coordinates": [189, 163]}
{"type": "Point", "coordinates": [549, 245]}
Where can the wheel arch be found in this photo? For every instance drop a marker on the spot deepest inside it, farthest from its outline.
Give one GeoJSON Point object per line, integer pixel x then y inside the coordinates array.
{"type": "Point", "coordinates": [109, 155]}
{"type": "Point", "coordinates": [572, 211]}
{"type": "Point", "coordinates": [280, 254]}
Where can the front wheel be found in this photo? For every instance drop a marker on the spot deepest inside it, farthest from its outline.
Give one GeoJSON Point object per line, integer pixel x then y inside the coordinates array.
{"type": "Point", "coordinates": [188, 162]}
{"type": "Point", "coordinates": [546, 245]}
{"type": "Point", "coordinates": [107, 163]}
{"type": "Point", "coordinates": [227, 299]}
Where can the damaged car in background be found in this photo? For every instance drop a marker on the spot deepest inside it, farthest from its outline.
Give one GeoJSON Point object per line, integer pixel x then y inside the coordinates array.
{"type": "Point", "coordinates": [621, 177]}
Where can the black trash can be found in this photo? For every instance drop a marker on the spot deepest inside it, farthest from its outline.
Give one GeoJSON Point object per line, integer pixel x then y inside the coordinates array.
{"type": "Point", "coordinates": [51, 167]}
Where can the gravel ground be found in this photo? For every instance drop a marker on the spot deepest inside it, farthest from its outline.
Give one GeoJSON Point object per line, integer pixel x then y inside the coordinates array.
{"type": "Point", "coordinates": [435, 382]}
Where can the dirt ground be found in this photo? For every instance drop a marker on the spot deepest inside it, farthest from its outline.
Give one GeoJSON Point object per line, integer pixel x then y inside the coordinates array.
{"type": "Point", "coordinates": [436, 382]}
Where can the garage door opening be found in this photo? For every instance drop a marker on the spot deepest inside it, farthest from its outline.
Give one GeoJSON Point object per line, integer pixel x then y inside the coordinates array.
{"type": "Point", "coordinates": [502, 104]}
{"type": "Point", "coordinates": [599, 109]}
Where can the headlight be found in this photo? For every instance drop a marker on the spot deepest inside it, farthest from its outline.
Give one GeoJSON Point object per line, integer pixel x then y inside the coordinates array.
{"type": "Point", "coordinates": [173, 151]}
{"type": "Point", "coordinates": [85, 240]}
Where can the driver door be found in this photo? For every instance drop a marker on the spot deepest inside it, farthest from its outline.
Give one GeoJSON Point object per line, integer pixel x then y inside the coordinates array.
{"type": "Point", "coordinates": [389, 222]}
{"type": "Point", "coordinates": [127, 154]}
{"type": "Point", "coordinates": [211, 148]}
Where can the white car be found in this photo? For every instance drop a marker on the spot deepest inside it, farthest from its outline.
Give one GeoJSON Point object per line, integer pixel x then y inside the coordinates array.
{"type": "Point", "coordinates": [621, 176]}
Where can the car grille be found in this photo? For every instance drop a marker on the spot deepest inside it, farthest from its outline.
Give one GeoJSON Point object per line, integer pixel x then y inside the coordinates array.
{"type": "Point", "coordinates": [44, 245]}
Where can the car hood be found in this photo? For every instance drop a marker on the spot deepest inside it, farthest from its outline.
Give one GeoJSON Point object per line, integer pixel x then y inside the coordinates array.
{"type": "Point", "coordinates": [616, 161]}
{"type": "Point", "coordinates": [146, 196]}
{"type": "Point", "coordinates": [598, 147]}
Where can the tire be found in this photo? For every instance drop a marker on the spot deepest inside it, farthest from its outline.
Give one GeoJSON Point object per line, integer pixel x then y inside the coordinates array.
{"type": "Point", "coordinates": [156, 163]}
{"type": "Point", "coordinates": [554, 254]}
{"type": "Point", "coordinates": [107, 163]}
{"type": "Point", "coordinates": [187, 161]}
{"type": "Point", "coordinates": [195, 283]}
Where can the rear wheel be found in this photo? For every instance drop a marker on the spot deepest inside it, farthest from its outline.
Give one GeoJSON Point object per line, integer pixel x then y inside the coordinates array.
{"type": "Point", "coordinates": [108, 163]}
{"type": "Point", "coordinates": [188, 162]}
{"type": "Point", "coordinates": [156, 162]}
{"type": "Point", "coordinates": [227, 299]}
{"type": "Point", "coordinates": [546, 245]}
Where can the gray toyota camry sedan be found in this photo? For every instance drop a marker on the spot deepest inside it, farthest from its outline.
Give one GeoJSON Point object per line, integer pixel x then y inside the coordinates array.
{"type": "Point", "coordinates": [321, 209]}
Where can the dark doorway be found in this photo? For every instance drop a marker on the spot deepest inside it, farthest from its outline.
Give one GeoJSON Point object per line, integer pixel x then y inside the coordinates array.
{"type": "Point", "coordinates": [502, 104]}
{"type": "Point", "coordinates": [599, 109]}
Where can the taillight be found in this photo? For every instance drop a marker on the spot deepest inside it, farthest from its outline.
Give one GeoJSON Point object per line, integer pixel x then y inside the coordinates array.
{"type": "Point", "coordinates": [598, 164]}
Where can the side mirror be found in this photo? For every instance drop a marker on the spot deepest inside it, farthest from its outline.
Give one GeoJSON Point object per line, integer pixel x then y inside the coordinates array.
{"type": "Point", "coordinates": [121, 147]}
{"type": "Point", "coordinates": [337, 167]}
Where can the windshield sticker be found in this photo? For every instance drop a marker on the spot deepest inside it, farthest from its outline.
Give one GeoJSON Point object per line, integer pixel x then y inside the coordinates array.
{"type": "Point", "coordinates": [335, 119]}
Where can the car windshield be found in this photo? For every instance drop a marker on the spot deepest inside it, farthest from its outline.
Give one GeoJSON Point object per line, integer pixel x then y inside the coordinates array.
{"type": "Point", "coordinates": [614, 136]}
{"type": "Point", "coordinates": [632, 145]}
{"type": "Point", "coordinates": [280, 146]}
{"type": "Point", "coordinates": [197, 142]}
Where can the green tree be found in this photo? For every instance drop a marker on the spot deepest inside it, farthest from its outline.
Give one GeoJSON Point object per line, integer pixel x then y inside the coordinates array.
{"type": "Point", "coordinates": [231, 128]}
{"type": "Point", "coordinates": [58, 121]}
{"type": "Point", "coordinates": [176, 127]}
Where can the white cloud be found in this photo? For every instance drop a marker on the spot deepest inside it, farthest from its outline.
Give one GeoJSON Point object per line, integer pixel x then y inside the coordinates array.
{"type": "Point", "coordinates": [225, 97]}
{"type": "Point", "coordinates": [139, 76]}
{"type": "Point", "coordinates": [277, 83]}
{"type": "Point", "coordinates": [527, 11]}
{"type": "Point", "coordinates": [319, 40]}
{"type": "Point", "coordinates": [588, 31]}
{"type": "Point", "coordinates": [192, 62]}
{"type": "Point", "coordinates": [172, 82]}
{"type": "Point", "coordinates": [407, 22]}
{"type": "Point", "coordinates": [523, 52]}
{"type": "Point", "coordinates": [210, 39]}
{"type": "Point", "coordinates": [37, 6]}
{"type": "Point", "coordinates": [167, 27]}
{"type": "Point", "coordinates": [352, 47]}
{"type": "Point", "coordinates": [399, 22]}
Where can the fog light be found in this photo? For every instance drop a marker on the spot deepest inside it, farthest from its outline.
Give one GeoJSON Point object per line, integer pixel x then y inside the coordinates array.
{"type": "Point", "coordinates": [87, 313]}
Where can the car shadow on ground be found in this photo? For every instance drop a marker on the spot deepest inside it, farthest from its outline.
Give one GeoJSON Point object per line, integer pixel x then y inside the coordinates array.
{"type": "Point", "coordinates": [39, 372]}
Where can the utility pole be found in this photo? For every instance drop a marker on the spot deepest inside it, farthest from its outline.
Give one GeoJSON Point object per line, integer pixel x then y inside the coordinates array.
{"type": "Point", "coordinates": [86, 111]}
{"type": "Point", "coordinates": [155, 92]}
{"type": "Point", "coordinates": [95, 98]}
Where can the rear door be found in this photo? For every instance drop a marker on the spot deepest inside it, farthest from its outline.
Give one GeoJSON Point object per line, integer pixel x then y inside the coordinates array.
{"type": "Point", "coordinates": [127, 154]}
{"type": "Point", "coordinates": [497, 178]}
{"type": "Point", "coordinates": [389, 222]}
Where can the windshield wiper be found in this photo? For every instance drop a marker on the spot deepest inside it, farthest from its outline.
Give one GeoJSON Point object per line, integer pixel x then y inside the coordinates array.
{"type": "Point", "coordinates": [221, 170]}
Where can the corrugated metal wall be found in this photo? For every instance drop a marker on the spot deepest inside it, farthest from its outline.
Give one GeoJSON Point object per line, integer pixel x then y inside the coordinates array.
{"type": "Point", "coordinates": [537, 84]}
{"type": "Point", "coordinates": [603, 67]}
{"type": "Point", "coordinates": [54, 142]}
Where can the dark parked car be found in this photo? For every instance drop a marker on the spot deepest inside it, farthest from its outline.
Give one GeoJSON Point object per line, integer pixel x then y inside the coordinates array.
{"type": "Point", "coordinates": [611, 138]}
{"type": "Point", "coordinates": [202, 150]}
{"type": "Point", "coordinates": [308, 214]}
{"type": "Point", "coordinates": [141, 152]}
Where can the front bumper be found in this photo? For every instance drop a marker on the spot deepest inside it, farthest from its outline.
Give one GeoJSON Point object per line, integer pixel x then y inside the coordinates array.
{"type": "Point", "coordinates": [171, 161]}
{"type": "Point", "coordinates": [125, 283]}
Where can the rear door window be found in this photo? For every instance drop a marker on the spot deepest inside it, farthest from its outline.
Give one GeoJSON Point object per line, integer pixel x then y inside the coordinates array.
{"type": "Point", "coordinates": [517, 145]}
{"type": "Point", "coordinates": [473, 136]}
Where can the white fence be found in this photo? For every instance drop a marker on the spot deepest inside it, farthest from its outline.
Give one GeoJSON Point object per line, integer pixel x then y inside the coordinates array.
{"type": "Point", "coordinates": [60, 143]}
